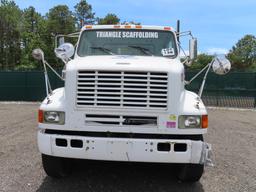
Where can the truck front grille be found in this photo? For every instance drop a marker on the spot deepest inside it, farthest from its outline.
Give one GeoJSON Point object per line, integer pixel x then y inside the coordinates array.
{"type": "Point", "coordinates": [144, 90]}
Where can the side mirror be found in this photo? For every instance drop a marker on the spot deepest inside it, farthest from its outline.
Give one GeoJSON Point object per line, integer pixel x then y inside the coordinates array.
{"type": "Point", "coordinates": [65, 51]}
{"type": "Point", "coordinates": [221, 65]}
{"type": "Point", "coordinates": [192, 49]}
{"type": "Point", "coordinates": [38, 54]}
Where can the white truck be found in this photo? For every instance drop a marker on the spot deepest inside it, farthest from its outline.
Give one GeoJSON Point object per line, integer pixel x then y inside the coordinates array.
{"type": "Point", "coordinates": [124, 100]}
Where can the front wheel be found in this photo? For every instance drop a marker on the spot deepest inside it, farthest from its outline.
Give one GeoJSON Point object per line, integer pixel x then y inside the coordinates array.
{"type": "Point", "coordinates": [190, 172]}
{"type": "Point", "coordinates": [56, 167]}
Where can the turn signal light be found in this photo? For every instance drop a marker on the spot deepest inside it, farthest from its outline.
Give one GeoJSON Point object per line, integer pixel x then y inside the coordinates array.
{"type": "Point", "coordinates": [204, 121]}
{"type": "Point", "coordinates": [40, 116]}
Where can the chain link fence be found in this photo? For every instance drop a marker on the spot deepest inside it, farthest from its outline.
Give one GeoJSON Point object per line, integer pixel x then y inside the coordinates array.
{"type": "Point", "coordinates": [236, 89]}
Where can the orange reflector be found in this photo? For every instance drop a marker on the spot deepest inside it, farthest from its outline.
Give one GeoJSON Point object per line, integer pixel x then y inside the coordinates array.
{"type": "Point", "coordinates": [204, 121]}
{"type": "Point", "coordinates": [88, 27]}
{"type": "Point", "coordinates": [127, 26]}
{"type": "Point", "coordinates": [167, 28]}
{"type": "Point", "coordinates": [138, 26]}
{"type": "Point", "coordinates": [116, 26]}
{"type": "Point", "coordinates": [40, 116]}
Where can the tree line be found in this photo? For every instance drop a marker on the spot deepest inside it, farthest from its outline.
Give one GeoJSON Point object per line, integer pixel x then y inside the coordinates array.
{"type": "Point", "coordinates": [242, 56]}
{"type": "Point", "coordinates": [23, 30]}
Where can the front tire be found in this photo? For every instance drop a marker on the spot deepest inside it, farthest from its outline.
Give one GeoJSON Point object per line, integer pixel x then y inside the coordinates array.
{"type": "Point", "coordinates": [56, 167]}
{"type": "Point", "coordinates": [190, 172]}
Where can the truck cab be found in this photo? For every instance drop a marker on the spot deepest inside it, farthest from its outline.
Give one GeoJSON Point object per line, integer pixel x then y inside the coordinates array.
{"type": "Point", "coordinates": [124, 99]}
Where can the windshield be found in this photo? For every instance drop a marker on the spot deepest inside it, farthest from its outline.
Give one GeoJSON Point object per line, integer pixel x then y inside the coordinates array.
{"type": "Point", "coordinates": [127, 42]}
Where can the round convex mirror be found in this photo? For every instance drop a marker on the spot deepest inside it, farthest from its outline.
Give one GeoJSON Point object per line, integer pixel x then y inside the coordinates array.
{"type": "Point", "coordinates": [221, 65]}
{"type": "Point", "coordinates": [65, 51]}
{"type": "Point", "coordinates": [38, 54]}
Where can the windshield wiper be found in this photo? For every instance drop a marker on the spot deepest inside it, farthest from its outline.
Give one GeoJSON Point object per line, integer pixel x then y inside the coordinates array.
{"type": "Point", "coordinates": [104, 50]}
{"type": "Point", "coordinates": [142, 49]}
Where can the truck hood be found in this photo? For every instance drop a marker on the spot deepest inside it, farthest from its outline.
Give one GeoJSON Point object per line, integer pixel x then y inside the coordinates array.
{"type": "Point", "coordinates": [119, 62]}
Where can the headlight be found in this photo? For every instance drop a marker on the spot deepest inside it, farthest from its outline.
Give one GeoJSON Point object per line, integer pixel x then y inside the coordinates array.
{"type": "Point", "coordinates": [54, 117]}
{"type": "Point", "coordinates": [190, 121]}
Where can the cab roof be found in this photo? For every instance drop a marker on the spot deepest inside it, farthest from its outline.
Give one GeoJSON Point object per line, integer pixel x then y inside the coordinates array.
{"type": "Point", "coordinates": [149, 27]}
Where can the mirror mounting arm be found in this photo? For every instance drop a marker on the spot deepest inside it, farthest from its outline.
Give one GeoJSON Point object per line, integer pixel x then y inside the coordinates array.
{"type": "Point", "coordinates": [38, 54]}
{"type": "Point", "coordinates": [193, 78]}
{"type": "Point", "coordinates": [208, 67]}
{"type": "Point", "coordinates": [184, 33]}
{"type": "Point", "coordinates": [204, 79]}
{"type": "Point", "coordinates": [46, 78]}
{"type": "Point", "coordinates": [53, 70]}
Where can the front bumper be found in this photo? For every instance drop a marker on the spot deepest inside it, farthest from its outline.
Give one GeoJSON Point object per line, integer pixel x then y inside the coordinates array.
{"type": "Point", "coordinates": [125, 149]}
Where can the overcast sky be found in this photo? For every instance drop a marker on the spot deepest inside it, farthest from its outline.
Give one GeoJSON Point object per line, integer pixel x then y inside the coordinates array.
{"type": "Point", "coordinates": [217, 24]}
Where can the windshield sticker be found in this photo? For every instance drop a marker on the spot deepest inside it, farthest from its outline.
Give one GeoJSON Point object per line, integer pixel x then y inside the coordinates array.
{"type": "Point", "coordinates": [127, 34]}
{"type": "Point", "coordinates": [168, 52]}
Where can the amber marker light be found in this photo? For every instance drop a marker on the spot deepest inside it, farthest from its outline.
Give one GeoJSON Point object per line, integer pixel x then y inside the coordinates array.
{"type": "Point", "coordinates": [204, 121]}
{"type": "Point", "coordinates": [88, 27]}
{"type": "Point", "coordinates": [40, 116]}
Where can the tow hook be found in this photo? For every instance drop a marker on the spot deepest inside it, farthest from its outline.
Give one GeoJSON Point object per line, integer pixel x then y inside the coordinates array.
{"type": "Point", "coordinates": [206, 156]}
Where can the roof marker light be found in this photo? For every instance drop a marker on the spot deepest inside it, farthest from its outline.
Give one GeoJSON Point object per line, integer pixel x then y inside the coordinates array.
{"type": "Point", "coordinates": [116, 26]}
{"type": "Point", "coordinates": [138, 26]}
{"type": "Point", "coordinates": [127, 26]}
{"type": "Point", "coordinates": [167, 28]}
{"type": "Point", "coordinates": [88, 27]}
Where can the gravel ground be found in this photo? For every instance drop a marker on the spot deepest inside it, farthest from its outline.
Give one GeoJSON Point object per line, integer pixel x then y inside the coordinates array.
{"type": "Point", "coordinates": [232, 134]}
